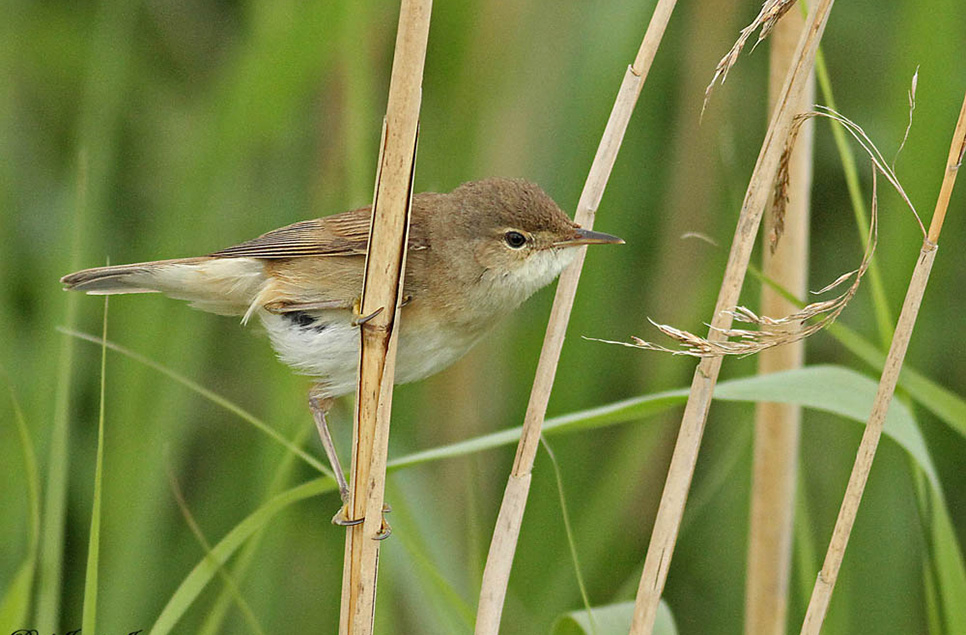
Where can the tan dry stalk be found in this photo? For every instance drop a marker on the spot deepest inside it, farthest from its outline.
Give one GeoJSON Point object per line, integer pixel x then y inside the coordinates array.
{"type": "Point", "coordinates": [824, 585]}
{"type": "Point", "coordinates": [382, 291]}
{"type": "Point", "coordinates": [671, 509]}
{"type": "Point", "coordinates": [775, 455]}
{"type": "Point", "coordinates": [496, 573]}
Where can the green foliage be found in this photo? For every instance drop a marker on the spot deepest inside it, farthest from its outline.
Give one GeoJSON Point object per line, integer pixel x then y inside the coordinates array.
{"type": "Point", "coordinates": [16, 601]}
{"type": "Point", "coordinates": [612, 619]}
{"type": "Point", "coordinates": [142, 131]}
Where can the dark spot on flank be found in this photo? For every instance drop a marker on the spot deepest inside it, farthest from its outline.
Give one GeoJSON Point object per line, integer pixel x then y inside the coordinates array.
{"type": "Point", "coordinates": [303, 320]}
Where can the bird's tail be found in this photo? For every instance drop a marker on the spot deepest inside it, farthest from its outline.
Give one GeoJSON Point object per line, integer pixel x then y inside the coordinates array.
{"type": "Point", "coordinates": [219, 285]}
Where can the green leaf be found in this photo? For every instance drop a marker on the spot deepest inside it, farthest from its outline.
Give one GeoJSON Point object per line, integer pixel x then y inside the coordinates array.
{"type": "Point", "coordinates": [94, 540]}
{"type": "Point", "coordinates": [947, 563]}
{"type": "Point", "coordinates": [612, 619]}
{"type": "Point", "coordinates": [211, 396]}
{"type": "Point", "coordinates": [611, 414]}
{"type": "Point", "coordinates": [15, 605]}
{"type": "Point", "coordinates": [204, 571]}
{"type": "Point", "coordinates": [827, 388]}
{"type": "Point", "coordinates": [943, 403]}
{"type": "Point", "coordinates": [839, 391]}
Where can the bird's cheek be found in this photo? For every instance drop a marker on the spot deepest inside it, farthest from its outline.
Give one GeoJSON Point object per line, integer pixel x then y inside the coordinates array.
{"type": "Point", "coordinates": [490, 255]}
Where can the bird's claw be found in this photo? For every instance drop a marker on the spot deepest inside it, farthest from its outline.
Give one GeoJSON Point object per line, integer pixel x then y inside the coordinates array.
{"type": "Point", "coordinates": [384, 530]}
{"type": "Point", "coordinates": [342, 519]}
{"type": "Point", "coordinates": [357, 318]}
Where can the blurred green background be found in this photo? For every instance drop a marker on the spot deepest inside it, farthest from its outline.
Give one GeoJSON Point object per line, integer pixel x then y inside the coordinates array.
{"type": "Point", "coordinates": [136, 131]}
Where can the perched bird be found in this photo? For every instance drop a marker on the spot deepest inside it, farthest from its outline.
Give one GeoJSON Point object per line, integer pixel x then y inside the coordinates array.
{"type": "Point", "coordinates": [475, 254]}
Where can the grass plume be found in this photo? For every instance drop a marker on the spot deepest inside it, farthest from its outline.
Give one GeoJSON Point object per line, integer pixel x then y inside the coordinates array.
{"type": "Point", "coordinates": [777, 331]}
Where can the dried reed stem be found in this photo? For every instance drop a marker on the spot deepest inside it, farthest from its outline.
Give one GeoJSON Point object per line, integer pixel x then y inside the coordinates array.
{"type": "Point", "coordinates": [382, 290]}
{"type": "Point", "coordinates": [496, 574]}
{"type": "Point", "coordinates": [681, 470]}
{"type": "Point", "coordinates": [824, 585]}
{"type": "Point", "coordinates": [775, 462]}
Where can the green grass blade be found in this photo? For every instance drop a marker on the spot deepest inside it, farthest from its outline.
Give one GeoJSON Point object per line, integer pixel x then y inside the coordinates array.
{"type": "Point", "coordinates": [571, 541]}
{"type": "Point", "coordinates": [827, 388]}
{"type": "Point", "coordinates": [230, 583]}
{"type": "Point", "coordinates": [15, 604]}
{"type": "Point", "coordinates": [55, 502]}
{"type": "Point", "coordinates": [192, 586]}
{"type": "Point", "coordinates": [945, 404]}
{"type": "Point", "coordinates": [216, 615]}
{"type": "Point", "coordinates": [880, 303]}
{"type": "Point", "coordinates": [453, 612]}
{"type": "Point", "coordinates": [611, 414]}
{"type": "Point", "coordinates": [947, 563]}
{"type": "Point", "coordinates": [215, 398]}
{"type": "Point", "coordinates": [89, 622]}
{"type": "Point", "coordinates": [942, 402]}
{"type": "Point", "coordinates": [839, 391]}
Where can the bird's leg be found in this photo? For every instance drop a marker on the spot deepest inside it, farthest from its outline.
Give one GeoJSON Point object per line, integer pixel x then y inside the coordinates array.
{"type": "Point", "coordinates": [320, 405]}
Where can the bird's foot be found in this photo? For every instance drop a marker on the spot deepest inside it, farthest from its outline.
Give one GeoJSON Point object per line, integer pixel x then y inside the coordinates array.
{"type": "Point", "coordinates": [384, 530]}
{"type": "Point", "coordinates": [342, 519]}
{"type": "Point", "coordinates": [358, 319]}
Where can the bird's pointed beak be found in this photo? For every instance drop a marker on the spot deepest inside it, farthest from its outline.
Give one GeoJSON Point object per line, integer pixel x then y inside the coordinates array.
{"type": "Point", "coordinates": [589, 237]}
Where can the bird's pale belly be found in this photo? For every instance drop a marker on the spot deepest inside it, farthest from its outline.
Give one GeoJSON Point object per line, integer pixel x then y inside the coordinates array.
{"type": "Point", "coordinates": [325, 345]}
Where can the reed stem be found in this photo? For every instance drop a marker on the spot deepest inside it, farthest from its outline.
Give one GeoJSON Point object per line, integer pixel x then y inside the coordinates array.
{"type": "Point", "coordinates": [825, 584]}
{"type": "Point", "coordinates": [381, 294]}
{"type": "Point", "coordinates": [496, 573]}
{"type": "Point", "coordinates": [683, 460]}
{"type": "Point", "coordinates": [775, 454]}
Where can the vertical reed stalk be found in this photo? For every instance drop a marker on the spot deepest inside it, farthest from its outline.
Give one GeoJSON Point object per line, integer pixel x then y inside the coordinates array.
{"type": "Point", "coordinates": [775, 462]}
{"type": "Point", "coordinates": [496, 574]}
{"type": "Point", "coordinates": [671, 509]}
{"type": "Point", "coordinates": [825, 584]}
{"type": "Point", "coordinates": [382, 290]}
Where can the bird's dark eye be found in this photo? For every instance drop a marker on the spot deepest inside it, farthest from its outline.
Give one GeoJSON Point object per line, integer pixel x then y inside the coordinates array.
{"type": "Point", "coordinates": [514, 239]}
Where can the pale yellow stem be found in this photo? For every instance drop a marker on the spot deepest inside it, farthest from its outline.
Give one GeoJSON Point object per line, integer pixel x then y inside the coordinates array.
{"type": "Point", "coordinates": [775, 456]}
{"type": "Point", "coordinates": [496, 574]}
{"type": "Point", "coordinates": [822, 592]}
{"type": "Point", "coordinates": [671, 509]}
{"type": "Point", "coordinates": [382, 291]}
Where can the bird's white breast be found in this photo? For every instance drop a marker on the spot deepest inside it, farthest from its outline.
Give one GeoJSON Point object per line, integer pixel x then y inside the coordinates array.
{"type": "Point", "coordinates": [328, 348]}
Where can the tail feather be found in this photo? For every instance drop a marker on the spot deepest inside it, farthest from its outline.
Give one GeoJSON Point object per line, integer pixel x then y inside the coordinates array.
{"type": "Point", "coordinates": [219, 285]}
{"type": "Point", "coordinates": [109, 280]}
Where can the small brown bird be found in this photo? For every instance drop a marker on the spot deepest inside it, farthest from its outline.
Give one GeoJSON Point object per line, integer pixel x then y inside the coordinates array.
{"type": "Point", "coordinates": [475, 254]}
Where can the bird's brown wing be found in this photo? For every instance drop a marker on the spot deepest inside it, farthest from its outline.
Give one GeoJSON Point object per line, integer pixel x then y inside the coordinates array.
{"type": "Point", "coordinates": [345, 234]}
{"type": "Point", "coordinates": [315, 264]}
